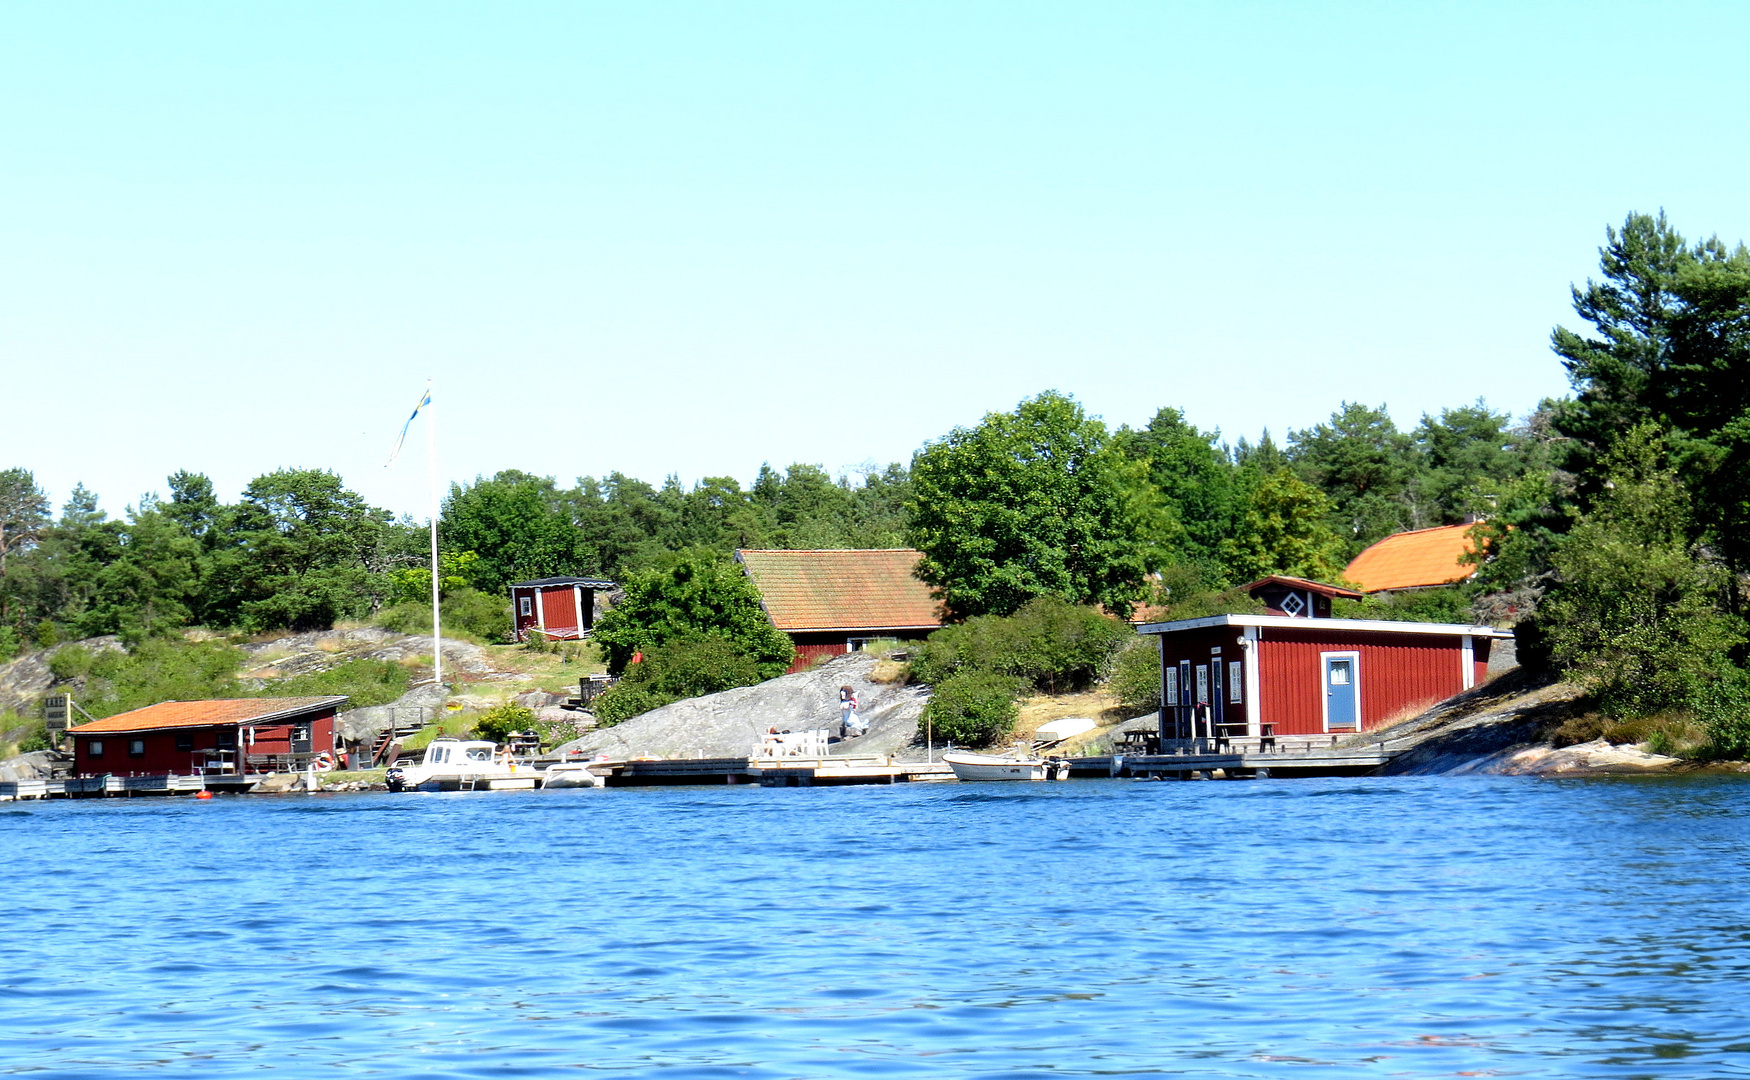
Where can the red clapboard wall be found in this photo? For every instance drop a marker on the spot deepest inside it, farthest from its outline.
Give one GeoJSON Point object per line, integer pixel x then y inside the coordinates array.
{"type": "Point", "coordinates": [1397, 674]}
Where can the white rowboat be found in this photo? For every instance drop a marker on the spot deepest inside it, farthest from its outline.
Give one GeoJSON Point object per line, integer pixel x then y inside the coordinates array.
{"type": "Point", "coordinates": [991, 767]}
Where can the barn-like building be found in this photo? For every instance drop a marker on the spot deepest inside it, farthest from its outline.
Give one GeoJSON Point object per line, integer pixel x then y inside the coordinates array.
{"type": "Point", "coordinates": [1297, 671]}
{"type": "Point", "coordinates": [833, 602]}
{"type": "Point", "coordinates": [560, 608]}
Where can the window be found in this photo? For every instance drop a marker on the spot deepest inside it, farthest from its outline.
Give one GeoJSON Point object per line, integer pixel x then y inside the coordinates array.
{"type": "Point", "coordinates": [1340, 673]}
{"type": "Point", "coordinates": [1292, 605]}
{"type": "Point", "coordinates": [526, 605]}
{"type": "Point", "coordinates": [1233, 680]}
{"type": "Point", "coordinates": [185, 740]}
{"type": "Point", "coordinates": [225, 740]}
{"type": "Point", "coordinates": [301, 733]}
{"type": "Point", "coordinates": [857, 644]}
{"type": "Point", "coordinates": [94, 748]}
{"type": "Point", "coordinates": [1202, 684]}
{"type": "Point", "coordinates": [136, 747]}
{"type": "Point", "coordinates": [1172, 686]}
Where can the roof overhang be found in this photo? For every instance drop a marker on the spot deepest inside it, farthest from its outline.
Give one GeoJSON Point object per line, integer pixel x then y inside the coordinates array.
{"type": "Point", "coordinates": [857, 629]}
{"type": "Point", "coordinates": [1361, 626]}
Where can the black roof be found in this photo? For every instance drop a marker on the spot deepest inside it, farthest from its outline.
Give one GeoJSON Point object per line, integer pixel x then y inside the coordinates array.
{"type": "Point", "coordinates": [586, 582]}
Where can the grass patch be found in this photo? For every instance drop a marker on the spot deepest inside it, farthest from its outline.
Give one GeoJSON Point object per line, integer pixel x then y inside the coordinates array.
{"type": "Point", "coordinates": [364, 682]}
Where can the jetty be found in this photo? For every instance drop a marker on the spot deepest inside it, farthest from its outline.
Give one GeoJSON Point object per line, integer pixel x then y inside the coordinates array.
{"type": "Point", "coordinates": [109, 786]}
{"type": "Point", "coordinates": [1206, 759]}
{"type": "Point", "coordinates": [824, 771]}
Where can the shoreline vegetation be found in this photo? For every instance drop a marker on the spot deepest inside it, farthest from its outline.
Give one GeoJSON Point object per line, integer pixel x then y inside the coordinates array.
{"type": "Point", "coordinates": [1611, 528]}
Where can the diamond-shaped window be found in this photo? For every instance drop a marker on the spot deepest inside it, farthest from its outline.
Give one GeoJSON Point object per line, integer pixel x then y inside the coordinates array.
{"type": "Point", "coordinates": [1293, 605]}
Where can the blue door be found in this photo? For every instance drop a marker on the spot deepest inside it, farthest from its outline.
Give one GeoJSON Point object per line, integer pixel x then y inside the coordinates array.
{"type": "Point", "coordinates": [1340, 711]}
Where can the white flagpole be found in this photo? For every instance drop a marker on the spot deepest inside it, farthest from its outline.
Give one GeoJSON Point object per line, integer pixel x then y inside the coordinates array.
{"type": "Point", "coordinates": [431, 475]}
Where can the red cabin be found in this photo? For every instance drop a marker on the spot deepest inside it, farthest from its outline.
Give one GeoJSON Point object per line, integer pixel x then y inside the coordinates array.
{"type": "Point", "coordinates": [1306, 673]}
{"type": "Point", "coordinates": [555, 607]}
{"type": "Point", "coordinates": [189, 738]}
{"type": "Point", "coordinates": [833, 602]}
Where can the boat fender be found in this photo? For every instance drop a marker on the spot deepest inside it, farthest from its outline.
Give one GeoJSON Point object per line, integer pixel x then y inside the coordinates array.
{"type": "Point", "coordinates": [203, 795]}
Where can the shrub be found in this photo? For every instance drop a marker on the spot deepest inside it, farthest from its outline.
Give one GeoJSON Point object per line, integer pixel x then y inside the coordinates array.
{"type": "Point", "coordinates": [158, 670]}
{"type": "Point", "coordinates": [622, 703]}
{"type": "Point", "coordinates": [1447, 604]}
{"type": "Point", "coordinates": [10, 644]}
{"type": "Point", "coordinates": [973, 708]}
{"type": "Point", "coordinates": [71, 662]}
{"type": "Point", "coordinates": [698, 593]}
{"type": "Point", "coordinates": [1724, 710]}
{"type": "Point", "coordinates": [365, 682]}
{"type": "Point", "coordinates": [1050, 643]}
{"type": "Point", "coordinates": [498, 722]}
{"type": "Point", "coordinates": [469, 612]}
{"type": "Point", "coordinates": [37, 739]}
{"type": "Point", "coordinates": [1136, 676]}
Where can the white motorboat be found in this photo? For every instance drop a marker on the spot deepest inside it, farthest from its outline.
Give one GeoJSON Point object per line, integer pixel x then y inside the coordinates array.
{"type": "Point", "coordinates": [969, 766]}
{"type": "Point", "coordinates": [570, 774]}
{"type": "Point", "coordinates": [457, 765]}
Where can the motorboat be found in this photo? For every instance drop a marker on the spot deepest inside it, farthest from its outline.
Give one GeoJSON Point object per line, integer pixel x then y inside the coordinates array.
{"type": "Point", "coordinates": [969, 766]}
{"type": "Point", "coordinates": [463, 765]}
{"type": "Point", "coordinates": [570, 774]}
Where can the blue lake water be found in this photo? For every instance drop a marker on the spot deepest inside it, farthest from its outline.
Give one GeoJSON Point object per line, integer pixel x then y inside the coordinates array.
{"type": "Point", "coordinates": [1406, 928]}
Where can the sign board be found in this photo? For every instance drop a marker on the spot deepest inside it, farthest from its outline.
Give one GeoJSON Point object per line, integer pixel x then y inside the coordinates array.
{"type": "Point", "coordinates": [55, 712]}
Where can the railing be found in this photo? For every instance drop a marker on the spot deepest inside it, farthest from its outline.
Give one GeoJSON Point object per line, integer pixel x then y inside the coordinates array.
{"type": "Point", "coordinates": [793, 744]}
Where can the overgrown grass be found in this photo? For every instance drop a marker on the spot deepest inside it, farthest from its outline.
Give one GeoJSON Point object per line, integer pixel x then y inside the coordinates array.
{"type": "Point", "coordinates": [364, 682]}
{"type": "Point", "coordinates": [467, 614]}
{"type": "Point", "coordinates": [1674, 733]}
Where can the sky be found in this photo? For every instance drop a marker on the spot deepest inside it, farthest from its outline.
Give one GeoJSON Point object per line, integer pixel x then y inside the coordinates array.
{"type": "Point", "coordinates": [691, 238]}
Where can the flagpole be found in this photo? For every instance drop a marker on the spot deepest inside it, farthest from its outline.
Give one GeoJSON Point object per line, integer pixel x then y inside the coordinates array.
{"type": "Point", "coordinates": [431, 476]}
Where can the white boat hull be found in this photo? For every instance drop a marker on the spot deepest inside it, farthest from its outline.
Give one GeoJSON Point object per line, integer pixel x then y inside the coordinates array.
{"type": "Point", "coordinates": [991, 767]}
{"type": "Point", "coordinates": [569, 776]}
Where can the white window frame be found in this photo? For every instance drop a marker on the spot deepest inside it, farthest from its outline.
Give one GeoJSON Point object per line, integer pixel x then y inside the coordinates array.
{"type": "Point", "coordinates": [1354, 658]}
{"type": "Point", "coordinates": [1201, 674]}
{"type": "Point", "coordinates": [1170, 692]}
{"type": "Point", "coordinates": [1236, 681]}
{"type": "Point", "coordinates": [525, 606]}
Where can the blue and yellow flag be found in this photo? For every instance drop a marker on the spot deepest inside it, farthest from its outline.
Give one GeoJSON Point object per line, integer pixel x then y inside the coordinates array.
{"type": "Point", "coordinates": [424, 400]}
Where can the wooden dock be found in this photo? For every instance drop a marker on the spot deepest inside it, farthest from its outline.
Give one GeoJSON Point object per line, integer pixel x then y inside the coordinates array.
{"type": "Point", "coordinates": [1235, 763]}
{"type": "Point", "coordinates": [98, 787]}
{"type": "Point", "coordinates": [849, 769]}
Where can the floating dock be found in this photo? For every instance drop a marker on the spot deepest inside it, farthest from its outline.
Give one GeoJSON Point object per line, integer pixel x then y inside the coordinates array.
{"type": "Point", "coordinates": [771, 772]}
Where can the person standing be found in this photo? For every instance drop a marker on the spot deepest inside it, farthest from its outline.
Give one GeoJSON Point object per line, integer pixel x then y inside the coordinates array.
{"type": "Point", "coordinates": [849, 722]}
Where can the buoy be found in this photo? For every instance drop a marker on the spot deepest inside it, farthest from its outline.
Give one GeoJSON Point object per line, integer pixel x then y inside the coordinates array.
{"type": "Point", "coordinates": [203, 795]}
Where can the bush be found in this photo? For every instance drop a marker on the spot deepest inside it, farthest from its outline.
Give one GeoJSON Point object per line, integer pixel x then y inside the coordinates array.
{"type": "Point", "coordinates": [465, 612]}
{"type": "Point", "coordinates": [677, 670]}
{"type": "Point", "coordinates": [365, 682]}
{"type": "Point", "coordinates": [155, 670]}
{"type": "Point", "coordinates": [10, 644]}
{"type": "Point", "coordinates": [497, 723]}
{"type": "Point", "coordinates": [1136, 676]}
{"type": "Point", "coordinates": [699, 593]}
{"type": "Point", "coordinates": [973, 708]}
{"type": "Point", "coordinates": [1050, 643]}
{"type": "Point", "coordinates": [1448, 604]}
{"type": "Point", "coordinates": [37, 739]}
{"type": "Point", "coordinates": [1724, 710]}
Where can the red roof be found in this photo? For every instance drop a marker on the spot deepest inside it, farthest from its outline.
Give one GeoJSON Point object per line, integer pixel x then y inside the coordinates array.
{"type": "Point", "coordinates": [1415, 560]}
{"type": "Point", "coordinates": [1306, 584]}
{"type": "Point", "coordinates": [842, 590]}
{"type": "Point", "coordinates": [221, 712]}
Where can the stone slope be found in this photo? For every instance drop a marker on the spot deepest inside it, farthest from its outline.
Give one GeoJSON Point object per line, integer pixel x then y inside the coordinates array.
{"type": "Point", "coordinates": [732, 723]}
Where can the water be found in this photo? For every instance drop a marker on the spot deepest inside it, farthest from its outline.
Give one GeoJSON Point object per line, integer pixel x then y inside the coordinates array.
{"type": "Point", "coordinates": [1403, 928]}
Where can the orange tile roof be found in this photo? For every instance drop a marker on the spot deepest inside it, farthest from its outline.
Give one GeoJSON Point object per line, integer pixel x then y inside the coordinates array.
{"type": "Point", "coordinates": [185, 714]}
{"type": "Point", "coordinates": [842, 590]}
{"type": "Point", "coordinates": [1414, 560]}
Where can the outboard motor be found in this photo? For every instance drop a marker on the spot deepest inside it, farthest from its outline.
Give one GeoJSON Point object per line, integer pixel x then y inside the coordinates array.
{"type": "Point", "coordinates": [396, 778]}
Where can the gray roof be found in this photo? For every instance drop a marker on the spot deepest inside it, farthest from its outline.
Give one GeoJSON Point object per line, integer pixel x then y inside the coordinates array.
{"type": "Point", "coordinates": [586, 582]}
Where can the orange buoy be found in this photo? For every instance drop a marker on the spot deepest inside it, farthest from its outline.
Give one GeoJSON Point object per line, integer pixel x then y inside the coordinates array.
{"type": "Point", "coordinates": [203, 795]}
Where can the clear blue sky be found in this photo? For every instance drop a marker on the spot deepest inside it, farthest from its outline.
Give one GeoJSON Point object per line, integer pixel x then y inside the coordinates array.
{"type": "Point", "coordinates": [692, 238]}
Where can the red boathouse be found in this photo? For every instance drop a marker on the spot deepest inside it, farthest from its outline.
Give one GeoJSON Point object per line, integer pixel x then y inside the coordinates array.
{"type": "Point", "coordinates": [555, 607]}
{"type": "Point", "coordinates": [1308, 674]}
{"type": "Point", "coordinates": [189, 738]}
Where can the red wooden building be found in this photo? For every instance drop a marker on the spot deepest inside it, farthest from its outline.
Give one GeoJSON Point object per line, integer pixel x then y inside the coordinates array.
{"type": "Point", "coordinates": [556, 607]}
{"type": "Point", "coordinates": [1305, 673]}
{"type": "Point", "coordinates": [832, 602]}
{"type": "Point", "coordinates": [187, 738]}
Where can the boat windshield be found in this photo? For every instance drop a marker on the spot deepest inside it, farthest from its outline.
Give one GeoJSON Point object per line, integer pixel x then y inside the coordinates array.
{"type": "Point", "coordinates": [479, 754]}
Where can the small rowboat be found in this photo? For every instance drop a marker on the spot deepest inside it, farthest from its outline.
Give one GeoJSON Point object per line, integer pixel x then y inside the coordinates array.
{"type": "Point", "coordinates": [570, 774]}
{"type": "Point", "coordinates": [991, 767]}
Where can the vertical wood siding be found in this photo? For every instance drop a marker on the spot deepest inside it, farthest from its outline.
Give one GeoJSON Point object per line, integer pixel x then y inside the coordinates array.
{"type": "Point", "coordinates": [559, 605]}
{"type": "Point", "coordinates": [1398, 673]}
{"type": "Point", "coordinates": [807, 655]}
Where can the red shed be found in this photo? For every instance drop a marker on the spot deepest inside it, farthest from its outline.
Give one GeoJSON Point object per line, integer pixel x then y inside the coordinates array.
{"type": "Point", "coordinates": [557, 607]}
{"type": "Point", "coordinates": [1258, 675]}
{"type": "Point", "coordinates": [187, 738]}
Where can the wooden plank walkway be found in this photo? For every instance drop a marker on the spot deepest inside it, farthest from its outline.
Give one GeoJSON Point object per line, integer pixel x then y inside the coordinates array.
{"type": "Point", "coordinates": [770, 772]}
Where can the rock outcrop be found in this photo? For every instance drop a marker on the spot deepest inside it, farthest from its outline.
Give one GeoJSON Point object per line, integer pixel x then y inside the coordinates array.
{"type": "Point", "coordinates": [733, 723]}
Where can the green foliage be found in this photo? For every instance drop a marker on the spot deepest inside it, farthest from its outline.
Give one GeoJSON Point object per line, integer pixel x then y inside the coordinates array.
{"type": "Point", "coordinates": [10, 644]}
{"type": "Point", "coordinates": [973, 708]}
{"type": "Point", "coordinates": [1199, 484]}
{"type": "Point", "coordinates": [1634, 616]}
{"type": "Point", "coordinates": [412, 584]}
{"type": "Point", "coordinates": [152, 671]}
{"type": "Point", "coordinates": [1033, 503]}
{"type": "Point", "coordinates": [364, 682]}
{"type": "Point", "coordinates": [499, 721]}
{"type": "Point", "coordinates": [36, 739]}
{"type": "Point", "coordinates": [1723, 707]}
{"type": "Point", "coordinates": [1447, 604]}
{"type": "Point", "coordinates": [1364, 465]}
{"type": "Point", "coordinates": [1050, 644]}
{"type": "Point", "coordinates": [466, 612]}
{"type": "Point", "coordinates": [1187, 591]}
{"type": "Point", "coordinates": [1136, 676]}
{"type": "Point", "coordinates": [1285, 530]}
{"type": "Point", "coordinates": [698, 595]}
{"type": "Point", "coordinates": [676, 670]}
